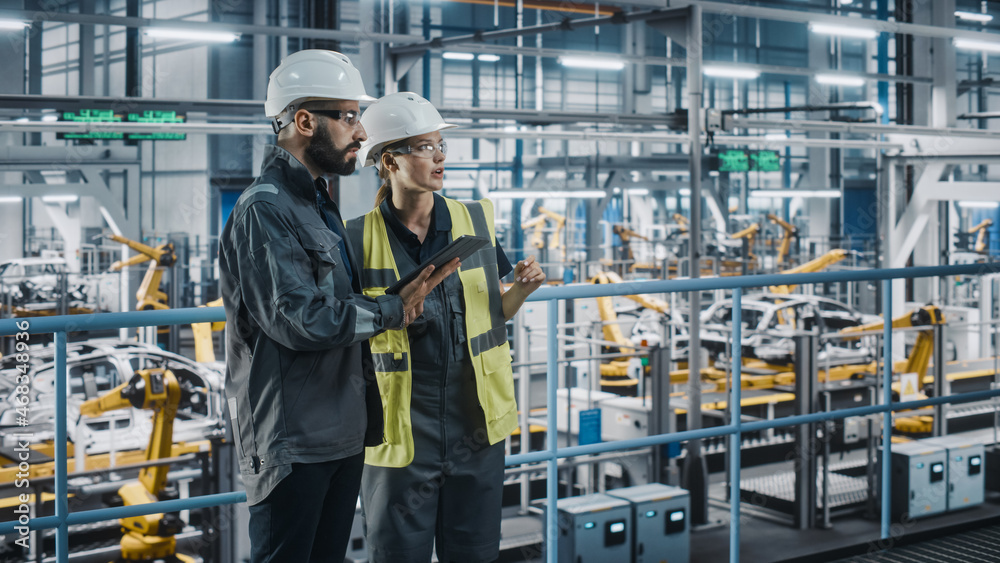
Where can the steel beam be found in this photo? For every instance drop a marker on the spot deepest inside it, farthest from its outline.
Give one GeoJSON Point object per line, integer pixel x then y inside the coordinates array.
{"type": "Point", "coordinates": [739, 122]}
{"type": "Point", "coordinates": [669, 61]}
{"type": "Point", "coordinates": [696, 470]}
{"type": "Point", "coordinates": [246, 29]}
{"type": "Point", "coordinates": [730, 10]}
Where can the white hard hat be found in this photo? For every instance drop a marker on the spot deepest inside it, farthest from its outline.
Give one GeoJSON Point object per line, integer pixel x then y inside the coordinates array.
{"type": "Point", "coordinates": [312, 73]}
{"type": "Point", "coordinates": [395, 117]}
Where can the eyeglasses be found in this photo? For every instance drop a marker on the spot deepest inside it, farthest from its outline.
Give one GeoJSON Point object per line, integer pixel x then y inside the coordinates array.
{"type": "Point", "coordinates": [350, 117]}
{"type": "Point", "coordinates": [423, 150]}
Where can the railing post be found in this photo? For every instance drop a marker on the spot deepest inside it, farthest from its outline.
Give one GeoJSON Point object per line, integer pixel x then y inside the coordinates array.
{"type": "Point", "coordinates": [805, 434]}
{"type": "Point", "coordinates": [887, 400]}
{"type": "Point", "coordinates": [552, 437]}
{"type": "Point", "coordinates": [736, 358]}
{"type": "Point", "coordinates": [62, 503]}
{"type": "Point", "coordinates": [523, 353]}
{"type": "Point", "coordinates": [941, 386]}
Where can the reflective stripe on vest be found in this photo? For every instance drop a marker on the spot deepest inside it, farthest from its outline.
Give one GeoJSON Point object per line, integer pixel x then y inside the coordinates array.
{"type": "Point", "coordinates": [489, 351]}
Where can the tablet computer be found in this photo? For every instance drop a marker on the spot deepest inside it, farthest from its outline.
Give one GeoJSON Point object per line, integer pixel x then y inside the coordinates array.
{"type": "Point", "coordinates": [462, 248]}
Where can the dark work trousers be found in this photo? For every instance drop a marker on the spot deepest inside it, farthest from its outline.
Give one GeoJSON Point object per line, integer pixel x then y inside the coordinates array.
{"type": "Point", "coordinates": [451, 493]}
{"type": "Point", "coordinates": [308, 515]}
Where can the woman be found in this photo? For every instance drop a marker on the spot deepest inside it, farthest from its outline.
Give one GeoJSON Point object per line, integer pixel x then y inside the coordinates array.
{"type": "Point", "coordinates": [446, 381]}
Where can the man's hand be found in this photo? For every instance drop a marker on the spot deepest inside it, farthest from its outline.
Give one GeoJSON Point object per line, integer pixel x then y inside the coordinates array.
{"type": "Point", "coordinates": [413, 293]}
{"type": "Point", "coordinates": [528, 275]}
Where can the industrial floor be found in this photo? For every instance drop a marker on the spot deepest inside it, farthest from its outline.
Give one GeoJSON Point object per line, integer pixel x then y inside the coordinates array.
{"type": "Point", "coordinates": [982, 545]}
{"type": "Point", "coordinates": [850, 540]}
{"type": "Point", "coordinates": [765, 541]}
{"type": "Point", "coordinates": [768, 537]}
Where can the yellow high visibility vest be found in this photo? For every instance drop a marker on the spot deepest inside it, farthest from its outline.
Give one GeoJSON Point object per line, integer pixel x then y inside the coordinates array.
{"type": "Point", "coordinates": [486, 334]}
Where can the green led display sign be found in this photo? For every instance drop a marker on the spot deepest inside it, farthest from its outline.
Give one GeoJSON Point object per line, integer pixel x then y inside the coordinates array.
{"type": "Point", "coordinates": [765, 161]}
{"type": "Point", "coordinates": [733, 161]}
{"type": "Point", "coordinates": [737, 160]}
{"type": "Point", "coordinates": [109, 116]}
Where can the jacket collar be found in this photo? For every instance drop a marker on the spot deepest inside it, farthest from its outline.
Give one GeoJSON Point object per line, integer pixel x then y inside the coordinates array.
{"type": "Point", "coordinates": [297, 178]}
{"type": "Point", "coordinates": [441, 215]}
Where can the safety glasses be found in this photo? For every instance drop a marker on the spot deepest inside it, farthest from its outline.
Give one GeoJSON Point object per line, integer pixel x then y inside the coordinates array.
{"type": "Point", "coordinates": [425, 149]}
{"type": "Point", "coordinates": [350, 117]}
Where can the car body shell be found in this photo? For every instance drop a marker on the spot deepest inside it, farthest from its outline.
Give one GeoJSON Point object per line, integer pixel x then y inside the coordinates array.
{"type": "Point", "coordinates": [94, 368]}
{"type": "Point", "coordinates": [769, 321]}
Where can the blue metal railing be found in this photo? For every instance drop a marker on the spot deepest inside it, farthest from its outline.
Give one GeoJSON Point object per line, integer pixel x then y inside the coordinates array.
{"type": "Point", "coordinates": [61, 325]}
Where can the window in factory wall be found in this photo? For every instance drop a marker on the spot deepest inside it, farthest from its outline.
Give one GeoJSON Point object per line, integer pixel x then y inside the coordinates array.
{"type": "Point", "coordinates": [229, 198]}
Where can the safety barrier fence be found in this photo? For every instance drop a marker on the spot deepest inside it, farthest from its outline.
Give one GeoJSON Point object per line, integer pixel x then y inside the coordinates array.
{"type": "Point", "coordinates": [60, 326]}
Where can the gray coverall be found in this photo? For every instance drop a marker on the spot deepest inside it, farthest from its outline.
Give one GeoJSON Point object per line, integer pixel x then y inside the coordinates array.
{"type": "Point", "coordinates": [451, 492]}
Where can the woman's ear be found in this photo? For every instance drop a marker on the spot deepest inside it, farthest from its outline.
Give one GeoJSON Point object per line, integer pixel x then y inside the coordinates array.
{"type": "Point", "coordinates": [388, 161]}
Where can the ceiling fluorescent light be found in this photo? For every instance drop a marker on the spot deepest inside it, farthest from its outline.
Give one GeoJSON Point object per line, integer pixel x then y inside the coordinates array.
{"type": "Point", "coordinates": [487, 58]}
{"type": "Point", "coordinates": [191, 34]}
{"type": "Point", "coordinates": [979, 204]}
{"type": "Point", "coordinates": [843, 30]}
{"type": "Point", "coordinates": [975, 45]}
{"type": "Point", "coordinates": [840, 80]}
{"type": "Point", "coordinates": [973, 16]}
{"type": "Point", "coordinates": [541, 194]}
{"type": "Point", "coordinates": [637, 191]}
{"type": "Point", "coordinates": [60, 198]}
{"type": "Point", "coordinates": [452, 56]}
{"type": "Point", "coordinates": [730, 72]}
{"type": "Point", "coordinates": [10, 199]}
{"type": "Point", "coordinates": [13, 24]}
{"type": "Point", "coordinates": [684, 192]}
{"type": "Point", "coordinates": [592, 63]}
{"type": "Point", "coordinates": [828, 194]}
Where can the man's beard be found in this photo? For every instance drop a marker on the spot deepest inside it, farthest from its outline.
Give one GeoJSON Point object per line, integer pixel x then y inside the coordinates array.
{"type": "Point", "coordinates": [329, 158]}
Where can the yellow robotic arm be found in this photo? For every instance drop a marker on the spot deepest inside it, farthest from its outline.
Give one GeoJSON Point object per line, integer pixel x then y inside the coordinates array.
{"type": "Point", "coordinates": [786, 239]}
{"type": "Point", "coordinates": [612, 330]}
{"type": "Point", "coordinates": [538, 235]}
{"type": "Point", "coordinates": [749, 234]}
{"type": "Point", "coordinates": [982, 237]}
{"type": "Point", "coordinates": [150, 536]}
{"type": "Point", "coordinates": [627, 234]}
{"type": "Point", "coordinates": [681, 221]}
{"type": "Point", "coordinates": [920, 356]}
{"type": "Point", "coordinates": [560, 221]}
{"type": "Point", "coordinates": [149, 295]}
{"type": "Point", "coordinates": [204, 348]}
{"type": "Point", "coordinates": [815, 265]}
{"type": "Point", "coordinates": [163, 255]}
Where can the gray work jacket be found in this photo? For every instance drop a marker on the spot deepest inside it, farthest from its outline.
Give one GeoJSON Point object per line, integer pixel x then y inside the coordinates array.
{"type": "Point", "coordinates": [299, 379]}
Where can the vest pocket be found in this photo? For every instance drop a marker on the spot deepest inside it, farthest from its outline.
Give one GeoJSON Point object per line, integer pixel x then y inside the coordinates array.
{"type": "Point", "coordinates": [390, 355]}
{"type": "Point", "coordinates": [394, 388]}
{"type": "Point", "coordinates": [498, 382]}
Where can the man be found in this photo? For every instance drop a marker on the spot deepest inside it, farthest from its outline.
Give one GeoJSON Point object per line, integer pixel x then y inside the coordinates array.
{"type": "Point", "coordinates": [299, 380]}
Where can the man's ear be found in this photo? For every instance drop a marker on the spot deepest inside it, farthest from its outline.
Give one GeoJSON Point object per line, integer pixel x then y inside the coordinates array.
{"type": "Point", "coordinates": [304, 123]}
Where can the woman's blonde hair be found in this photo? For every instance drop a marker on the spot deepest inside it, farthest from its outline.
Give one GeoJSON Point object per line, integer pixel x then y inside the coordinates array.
{"type": "Point", "coordinates": [385, 191]}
